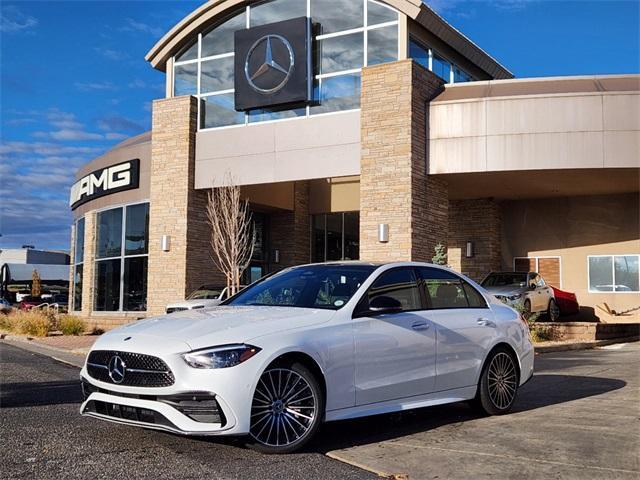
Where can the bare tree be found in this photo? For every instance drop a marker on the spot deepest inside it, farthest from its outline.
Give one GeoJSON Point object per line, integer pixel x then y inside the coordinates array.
{"type": "Point", "coordinates": [232, 234]}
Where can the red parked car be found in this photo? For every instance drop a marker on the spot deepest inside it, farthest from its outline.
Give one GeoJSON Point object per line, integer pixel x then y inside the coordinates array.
{"type": "Point", "coordinates": [567, 302]}
{"type": "Point", "coordinates": [29, 302]}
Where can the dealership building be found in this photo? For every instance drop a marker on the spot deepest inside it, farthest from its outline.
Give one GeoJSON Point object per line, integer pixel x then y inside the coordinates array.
{"type": "Point", "coordinates": [359, 129]}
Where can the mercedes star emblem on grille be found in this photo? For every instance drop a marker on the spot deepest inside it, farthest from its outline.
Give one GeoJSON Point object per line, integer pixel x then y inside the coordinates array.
{"type": "Point", "coordinates": [272, 83]}
{"type": "Point", "coordinates": [117, 369]}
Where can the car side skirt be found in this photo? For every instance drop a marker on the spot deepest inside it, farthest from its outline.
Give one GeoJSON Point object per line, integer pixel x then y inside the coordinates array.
{"type": "Point", "coordinates": [409, 403]}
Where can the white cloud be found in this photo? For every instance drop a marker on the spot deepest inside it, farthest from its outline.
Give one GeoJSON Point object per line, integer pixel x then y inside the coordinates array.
{"type": "Point", "coordinates": [111, 54]}
{"type": "Point", "coordinates": [87, 86]}
{"type": "Point", "coordinates": [70, 135]}
{"type": "Point", "coordinates": [12, 20]}
{"type": "Point", "coordinates": [132, 25]}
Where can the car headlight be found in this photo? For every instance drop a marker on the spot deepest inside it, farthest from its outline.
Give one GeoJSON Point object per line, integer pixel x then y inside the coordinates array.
{"type": "Point", "coordinates": [220, 357]}
{"type": "Point", "coordinates": [514, 297]}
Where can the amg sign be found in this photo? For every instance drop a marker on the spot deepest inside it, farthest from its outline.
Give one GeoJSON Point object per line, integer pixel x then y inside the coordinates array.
{"type": "Point", "coordinates": [113, 179]}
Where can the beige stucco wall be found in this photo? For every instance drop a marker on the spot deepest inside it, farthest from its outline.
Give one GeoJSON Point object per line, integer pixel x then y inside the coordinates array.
{"type": "Point", "coordinates": [136, 147]}
{"type": "Point", "coordinates": [535, 124]}
{"type": "Point", "coordinates": [574, 228]}
{"type": "Point", "coordinates": [288, 150]}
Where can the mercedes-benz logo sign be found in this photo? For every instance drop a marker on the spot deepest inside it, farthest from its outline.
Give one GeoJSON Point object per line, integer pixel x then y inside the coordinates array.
{"type": "Point", "coordinates": [270, 76]}
{"type": "Point", "coordinates": [117, 369]}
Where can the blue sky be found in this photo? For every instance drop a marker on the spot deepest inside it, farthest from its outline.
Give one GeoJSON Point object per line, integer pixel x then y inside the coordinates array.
{"type": "Point", "coordinates": [73, 81]}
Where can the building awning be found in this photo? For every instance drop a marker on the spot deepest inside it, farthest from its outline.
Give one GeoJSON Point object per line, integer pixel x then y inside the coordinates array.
{"type": "Point", "coordinates": [20, 272]}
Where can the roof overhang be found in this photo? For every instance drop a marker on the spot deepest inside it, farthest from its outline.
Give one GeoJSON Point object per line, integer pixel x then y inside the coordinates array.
{"type": "Point", "coordinates": [215, 10]}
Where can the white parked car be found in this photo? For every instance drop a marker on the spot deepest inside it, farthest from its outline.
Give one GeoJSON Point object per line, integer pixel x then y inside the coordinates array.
{"type": "Point", "coordinates": [309, 344]}
{"type": "Point", "coordinates": [203, 297]}
{"type": "Point", "coordinates": [527, 289]}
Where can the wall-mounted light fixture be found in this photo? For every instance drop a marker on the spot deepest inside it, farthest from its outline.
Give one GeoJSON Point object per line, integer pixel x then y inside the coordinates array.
{"type": "Point", "coordinates": [469, 251]}
{"type": "Point", "coordinates": [166, 243]}
{"type": "Point", "coordinates": [276, 256]}
{"type": "Point", "coordinates": [383, 232]}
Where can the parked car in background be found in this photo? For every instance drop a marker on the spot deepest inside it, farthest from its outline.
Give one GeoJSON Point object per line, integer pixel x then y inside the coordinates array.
{"type": "Point", "coordinates": [60, 299]}
{"type": "Point", "coordinates": [527, 290]}
{"type": "Point", "coordinates": [203, 297]}
{"type": "Point", "coordinates": [21, 295]}
{"type": "Point", "coordinates": [567, 301]}
{"type": "Point", "coordinates": [5, 305]}
{"type": "Point", "coordinates": [27, 303]}
{"type": "Point", "coordinates": [309, 344]}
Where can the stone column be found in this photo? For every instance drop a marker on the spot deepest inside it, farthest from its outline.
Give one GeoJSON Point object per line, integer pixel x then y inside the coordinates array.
{"type": "Point", "coordinates": [478, 221]}
{"type": "Point", "coordinates": [173, 201]}
{"type": "Point", "coordinates": [395, 188]}
{"type": "Point", "coordinates": [88, 264]}
{"type": "Point", "coordinates": [290, 231]}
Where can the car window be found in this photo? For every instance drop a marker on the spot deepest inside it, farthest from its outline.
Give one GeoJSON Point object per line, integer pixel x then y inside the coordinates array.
{"type": "Point", "coordinates": [540, 281]}
{"type": "Point", "coordinates": [474, 297]}
{"type": "Point", "coordinates": [505, 280]}
{"type": "Point", "coordinates": [204, 294]}
{"type": "Point", "coordinates": [444, 289]}
{"type": "Point", "coordinates": [399, 284]}
{"type": "Point", "coordinates": [314, 286]}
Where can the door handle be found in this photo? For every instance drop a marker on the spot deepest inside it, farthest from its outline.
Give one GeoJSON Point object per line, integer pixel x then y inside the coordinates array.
{"type": "Point", "coordinates": [420, 326]}
{"type": "Point", "coordinates": [485, 322]}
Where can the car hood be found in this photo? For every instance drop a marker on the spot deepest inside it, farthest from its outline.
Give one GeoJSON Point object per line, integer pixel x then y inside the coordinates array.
{"type": "Point", "coordinates": [505, 290]}
{"type": "Point", "coordinates": [215, 326]}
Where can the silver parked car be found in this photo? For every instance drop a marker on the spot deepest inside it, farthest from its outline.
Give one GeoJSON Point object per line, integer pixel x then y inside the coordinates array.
{"type": "Point", "coordinates": [526, 289]}
{"type": "Point", "coordinates": [203, 297]}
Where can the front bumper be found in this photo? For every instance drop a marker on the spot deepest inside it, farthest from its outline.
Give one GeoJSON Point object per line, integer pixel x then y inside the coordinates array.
{"type": "Point", "coordinates": [199, 402]}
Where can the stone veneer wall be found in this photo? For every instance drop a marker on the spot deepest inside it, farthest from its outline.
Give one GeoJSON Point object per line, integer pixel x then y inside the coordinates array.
{"type": "Point", "coordinates": [394, 186]}
{"type": "Point", "coordinates": [290, 232]}
{"type": "Point", "coordinates": [479, 221]}
{"type": "Point", "coordinates": [176, 208]}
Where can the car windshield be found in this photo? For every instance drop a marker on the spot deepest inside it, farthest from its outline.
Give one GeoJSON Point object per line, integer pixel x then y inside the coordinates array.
{"type": "Point", "coordinates": [315, 286]}
{"type": "Point", "coordinates": [505, 280]}
{"type": "Point", "coordinates": [205, 293]}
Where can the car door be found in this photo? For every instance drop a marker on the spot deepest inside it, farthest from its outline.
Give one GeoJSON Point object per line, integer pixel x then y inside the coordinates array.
{"type": "Point", "coordinates": [544, 293]}
{"type": "Point", "coordinates": [395, 353]}
{"type": "Point", "coordinates": [464, 324]}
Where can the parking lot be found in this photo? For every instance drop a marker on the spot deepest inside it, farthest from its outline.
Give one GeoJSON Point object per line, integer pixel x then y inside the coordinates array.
{"type": "Point", "coordinates": [578, 418]}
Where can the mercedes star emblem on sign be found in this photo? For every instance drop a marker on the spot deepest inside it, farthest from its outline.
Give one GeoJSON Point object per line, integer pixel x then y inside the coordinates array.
{"type": "Point", "coordinates": [117, 369]}
{"type": "Point", "coordinates": [269, 69]}
{"type": "Point", "coordinates": [272, 65]}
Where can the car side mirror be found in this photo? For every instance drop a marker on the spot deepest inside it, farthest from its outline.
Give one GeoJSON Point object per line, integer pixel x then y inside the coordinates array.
{"type": "Point", "coordinates": [384, 304]}
{"type": "Point", "coordinates": [532, 286]}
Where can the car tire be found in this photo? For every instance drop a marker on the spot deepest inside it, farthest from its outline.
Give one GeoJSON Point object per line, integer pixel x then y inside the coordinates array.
{"type": "Point", "coordinates": [526, 313]}
{"type": "Point", "coordinates": [287, 409]}
{"type": "Point", "coordinates": [499, 381]}
{"type": "Point", "coordinates": [553, 311]}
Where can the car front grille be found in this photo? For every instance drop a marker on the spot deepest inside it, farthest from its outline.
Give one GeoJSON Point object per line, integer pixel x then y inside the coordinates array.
{"type": "Point", "coordinates": [176, 309]}
{"type": "Point", "coordinates": [140, 370]}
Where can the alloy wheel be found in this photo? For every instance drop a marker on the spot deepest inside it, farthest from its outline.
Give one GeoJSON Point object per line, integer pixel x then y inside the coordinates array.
{"type": "Point", "coordinates": [284, 408]}
{"type": "Point", "coordinates": [502, 380]}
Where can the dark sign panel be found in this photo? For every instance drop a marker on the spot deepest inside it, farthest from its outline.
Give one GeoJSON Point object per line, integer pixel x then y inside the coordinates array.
{"type": "Point", "coordinates": [272, 65]}
{"type": "Point", "coordinates": [108, 180]}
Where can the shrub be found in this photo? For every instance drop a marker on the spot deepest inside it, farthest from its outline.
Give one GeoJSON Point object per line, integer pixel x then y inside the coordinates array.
{"type": "Point", "coordinates": [32, 322]}
{"type": "Point", "coordinates": [6, 323]}
{"type": "Point", "coordinates": [70, 325]}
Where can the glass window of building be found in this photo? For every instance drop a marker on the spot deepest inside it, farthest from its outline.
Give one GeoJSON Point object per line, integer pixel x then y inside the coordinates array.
{"type": "Point", "coordinates": [441, 67]}
{"type": "Point", "coordinates": [419, 53]}
{"type": "Point", "coordinates": [460, 76]}
{"type": "Point", "coordinates": [614, 273]}
{"type": "Point", "coordinates": [78, 265]}
{"type": "Point", "coordinates": [122, 247]}
{"type": "Point", "coordinates": [335, 236]}
{"type": "Point", "coordinates": [350, 35]}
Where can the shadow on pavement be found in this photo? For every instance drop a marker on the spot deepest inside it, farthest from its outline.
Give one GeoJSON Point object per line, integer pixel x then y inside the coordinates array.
{"type": "Point", "coordinates": [33, 394]}
{"type": "Point", "coordinates": [541, 391]}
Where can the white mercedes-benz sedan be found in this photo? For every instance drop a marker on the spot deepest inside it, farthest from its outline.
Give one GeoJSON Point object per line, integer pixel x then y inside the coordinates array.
{"type": "Point", "coordinates": [310, 344]}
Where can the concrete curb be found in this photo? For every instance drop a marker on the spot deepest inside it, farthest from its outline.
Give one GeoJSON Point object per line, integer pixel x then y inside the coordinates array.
{"type": "Point", "coordinates": [74, 358]}
{"type": "Point", "coordinates": [587, 345]}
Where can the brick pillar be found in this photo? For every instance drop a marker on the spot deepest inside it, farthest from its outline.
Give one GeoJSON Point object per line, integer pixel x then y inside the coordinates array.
{"type": "Point", "coordinates": [290, 231]}
{"type": "Point", "coordinates": [88, 263]}
{"type": "Point", "coordinates": [394, 186]}
{"type": "Point", "coordinates": [173, 201]}
{"type": "Point", "coordinates": [480, 222]}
